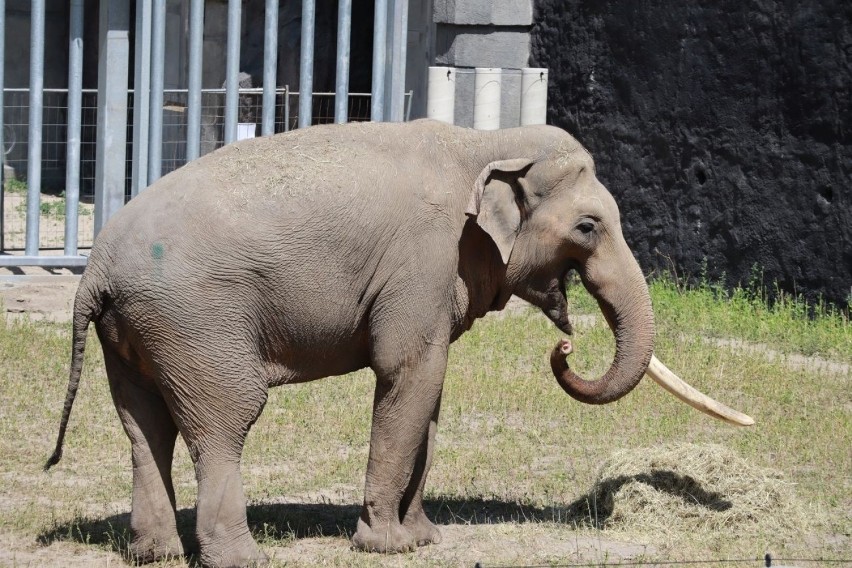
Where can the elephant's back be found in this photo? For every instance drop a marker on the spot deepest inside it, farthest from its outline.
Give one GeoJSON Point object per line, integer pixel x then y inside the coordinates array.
{"type": "Point", "coordinates": [342, 191]}
{"type": "Point", "coordinates": [324, 170]}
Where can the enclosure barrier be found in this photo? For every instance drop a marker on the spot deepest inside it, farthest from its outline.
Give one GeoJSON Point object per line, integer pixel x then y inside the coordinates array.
{"type": "Point", "coordinates": [2, 126]}
{"type": "Point", "coordinates": [55, 219]}
{"type": "Point", "coordinates": [34, 155]}
{"type": "Point", "coordinates": [388, 100]}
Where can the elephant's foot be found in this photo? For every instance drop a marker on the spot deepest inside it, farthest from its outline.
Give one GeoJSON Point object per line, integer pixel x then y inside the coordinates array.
{"type": "Point", "coordinates": [148, 548]}
{"type": "Point", "coordinates": [424, 531]}
{"type": "Point", "coordinates": [389, 538]}
{"type": "Point", "coordinates": [240, 553]}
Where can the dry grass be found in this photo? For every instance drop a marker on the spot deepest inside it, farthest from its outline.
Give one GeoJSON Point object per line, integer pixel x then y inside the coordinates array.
{"type": "Point", "coordinates": [516, 462]}
{"type": "Point", "coordinates": [692, 489]}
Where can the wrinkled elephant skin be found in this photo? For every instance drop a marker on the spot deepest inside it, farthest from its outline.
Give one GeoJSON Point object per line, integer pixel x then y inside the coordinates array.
{"type": "Point", "coordinates": [319, 252]}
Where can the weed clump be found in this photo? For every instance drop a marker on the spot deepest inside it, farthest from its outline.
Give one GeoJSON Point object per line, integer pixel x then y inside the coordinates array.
{"type": "Point", "coordinates": [690, 489]}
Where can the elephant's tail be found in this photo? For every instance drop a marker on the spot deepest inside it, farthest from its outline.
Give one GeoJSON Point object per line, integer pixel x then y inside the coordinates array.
{"type": "Point", "coordinates": [88, 305]}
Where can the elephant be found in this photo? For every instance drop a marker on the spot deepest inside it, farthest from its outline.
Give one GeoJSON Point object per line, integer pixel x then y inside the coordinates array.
{"type": "Point", "coordinates": [318, 252]}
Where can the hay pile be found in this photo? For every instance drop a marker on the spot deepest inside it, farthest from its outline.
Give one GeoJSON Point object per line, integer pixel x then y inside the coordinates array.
{"type": "Point", "coordinates": [689, 489]}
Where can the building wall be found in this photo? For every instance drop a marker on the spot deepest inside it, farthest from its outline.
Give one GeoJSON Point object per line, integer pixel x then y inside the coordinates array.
{"type": "Point", "coordinates": [482, 33]}
{"type": "Point", "coordinates": [723, 129]}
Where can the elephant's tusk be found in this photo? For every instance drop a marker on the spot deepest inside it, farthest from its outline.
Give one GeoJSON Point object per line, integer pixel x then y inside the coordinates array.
{"type": "Point", "coordinates": [664, 377]}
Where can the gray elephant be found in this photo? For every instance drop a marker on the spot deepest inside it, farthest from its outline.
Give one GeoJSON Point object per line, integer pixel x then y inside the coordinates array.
{"type": "Point", "coordinates": [326, 250]}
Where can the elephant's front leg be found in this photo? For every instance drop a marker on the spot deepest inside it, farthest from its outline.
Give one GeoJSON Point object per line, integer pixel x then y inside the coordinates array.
{"type": "Point", "coordinates": [411, 508]}
{"type": "Point", "coordinates": [404, 407]}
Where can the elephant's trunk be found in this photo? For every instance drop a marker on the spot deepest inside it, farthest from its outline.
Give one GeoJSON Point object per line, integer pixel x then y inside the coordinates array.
{"type": "Point", "coordinates": [626, 305]}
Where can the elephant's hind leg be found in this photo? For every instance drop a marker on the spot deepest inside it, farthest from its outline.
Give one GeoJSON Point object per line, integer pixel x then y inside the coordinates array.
{"type": "Point", "coordinates": [215, 422]}
{"type": "Point", "coordinates": [152, 434]}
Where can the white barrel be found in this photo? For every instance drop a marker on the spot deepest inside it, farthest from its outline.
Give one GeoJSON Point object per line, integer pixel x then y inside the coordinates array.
{"type": "Point", "coordinates": [441, 94]}
{"type": "Point", "coordinates": [246, 130]}
{"type": "Point", "coordinates": [533, 96]}
{"type": "Point", "coordinates": [486, 98]}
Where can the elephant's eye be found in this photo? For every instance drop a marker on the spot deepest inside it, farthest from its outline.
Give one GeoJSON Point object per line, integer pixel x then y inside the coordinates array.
{"type": "Point", "coordinates": [585, 227]}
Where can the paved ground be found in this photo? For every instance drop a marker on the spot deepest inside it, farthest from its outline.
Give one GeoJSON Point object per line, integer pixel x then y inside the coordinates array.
{"type": "Point", "coordinates": [38, 293]}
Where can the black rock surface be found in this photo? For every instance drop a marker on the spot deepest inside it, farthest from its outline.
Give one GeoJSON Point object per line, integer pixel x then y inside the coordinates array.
{"type": "Point", "coordinates": [724, 129]}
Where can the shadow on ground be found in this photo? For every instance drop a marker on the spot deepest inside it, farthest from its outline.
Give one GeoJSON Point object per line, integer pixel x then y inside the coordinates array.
{"type": "Point", "coordinates": [293, 521]}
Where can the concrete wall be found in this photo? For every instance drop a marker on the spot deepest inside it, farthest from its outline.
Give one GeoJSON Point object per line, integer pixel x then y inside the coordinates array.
{"type": "Point", "coordinates": [723, 129]}
{"type": "Point", "coordinates": [480, 33]}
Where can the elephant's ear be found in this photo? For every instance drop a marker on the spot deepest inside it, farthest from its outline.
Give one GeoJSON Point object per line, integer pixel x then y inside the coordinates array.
{"type": "Point", "coordinates": [494, 205]}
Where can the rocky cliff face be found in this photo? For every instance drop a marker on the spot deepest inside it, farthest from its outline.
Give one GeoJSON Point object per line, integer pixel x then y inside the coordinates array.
{"type": "Point", "coordinates": [723, 129]}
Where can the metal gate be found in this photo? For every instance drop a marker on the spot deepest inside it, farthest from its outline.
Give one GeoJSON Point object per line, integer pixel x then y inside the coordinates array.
{"type": "Point", "coordinates": [113, 143]}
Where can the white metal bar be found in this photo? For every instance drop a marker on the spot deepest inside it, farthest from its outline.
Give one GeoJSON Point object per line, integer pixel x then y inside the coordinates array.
{"type": "Point", "coordinates": [155, 126]}
{"type": "Point", "coordinates": [344, 31]}
{"type": "Point", "coordinates": [533, 96]}
{"type": "Point", "coordinates": [306, 66]}
{"type": "Point", "coordinates": [35, 124]}
{"type": "Point", "coordinates": [270, 68]}
{"type": "Point", "coordinates": [193, 103]}
{"type": "Point", "coordinates": [232, 70]}
{"type": "Point", "coordinates": [37, 260]}
{"type": "Point", "coordinates": [380, 30]}
{"type": "Point", "coordinates": [75, 104]}
{"type": "Point", "coordinates": [441, 94]}
{"type": "Point", "coordinates": [486, 98]}
{"type": "Point", "coordinates": [141, 98]}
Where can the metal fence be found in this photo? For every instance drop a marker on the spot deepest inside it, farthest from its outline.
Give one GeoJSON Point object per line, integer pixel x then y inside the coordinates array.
{"type": "Point", "coordinates": [173, 156]}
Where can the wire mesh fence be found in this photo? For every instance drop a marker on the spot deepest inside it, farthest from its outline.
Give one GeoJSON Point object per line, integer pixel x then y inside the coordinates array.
{"type": "Point", "coordinates": [54, 146]}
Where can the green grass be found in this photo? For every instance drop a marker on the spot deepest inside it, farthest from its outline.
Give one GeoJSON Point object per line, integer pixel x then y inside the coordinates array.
{"type": "Point", "coordinates": [54, 208]}
{"type": "Point", "coordinates": [787, 323]}
{"type": "Point", "coordinates": [513, 451]}
{"type": "Point", "coordinates": [16, 186]}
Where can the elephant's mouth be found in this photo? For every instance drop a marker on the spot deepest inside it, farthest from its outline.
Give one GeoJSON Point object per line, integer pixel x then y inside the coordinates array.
{"type": "Point", "coordinates": [558, 312]}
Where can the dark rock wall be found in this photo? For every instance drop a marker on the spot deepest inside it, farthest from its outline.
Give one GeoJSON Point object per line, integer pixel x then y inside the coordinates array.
{"type": "Point", "coordinates": [724, 129]}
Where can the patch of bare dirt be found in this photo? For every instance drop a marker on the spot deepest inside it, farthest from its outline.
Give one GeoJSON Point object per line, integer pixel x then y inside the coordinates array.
{"type": "Point", "coordinates": [38, 294]}
{"type": "Point", "coordinates": [466, 545]}
{"type": "Point", "coordinates": [17, 550]}
{"type": "Point", "coordinates": [793, 361]}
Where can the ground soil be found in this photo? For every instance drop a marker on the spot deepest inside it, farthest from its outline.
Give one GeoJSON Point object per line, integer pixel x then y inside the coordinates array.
{"type": "Point", "coordinates": [48, 295]}
{"type": "Point", "coordinates": [37, 293]}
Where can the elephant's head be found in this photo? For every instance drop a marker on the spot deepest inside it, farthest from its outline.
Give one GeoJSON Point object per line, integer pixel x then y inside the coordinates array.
{"type": "Point", "coordinates": [548, 214]}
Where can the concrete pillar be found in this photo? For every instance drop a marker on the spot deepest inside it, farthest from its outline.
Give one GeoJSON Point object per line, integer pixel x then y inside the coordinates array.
{"type": "Point", "coordinates": [441, 98]}
{"type": "Point", "coordinates": [113, 64]}
{"type": "Point", "coordinates": [482, 33]}
{"type": "Point", "coordinates": [487, 88]}
{"type": "Point", "coordinates": [533, 96]}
